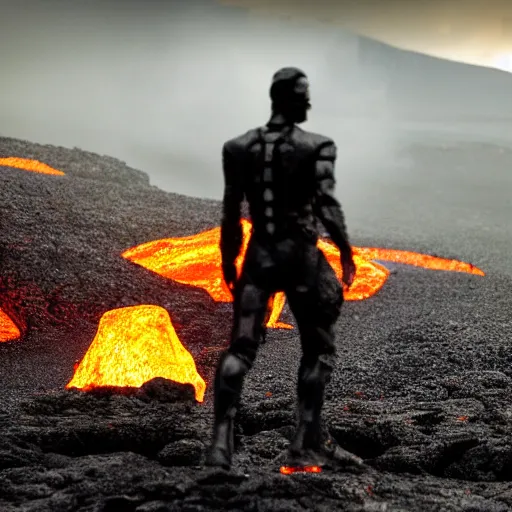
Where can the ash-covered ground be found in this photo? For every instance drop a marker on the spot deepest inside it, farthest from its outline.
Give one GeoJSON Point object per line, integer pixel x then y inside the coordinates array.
{"type": "Point", "coordinates": [422, 390]}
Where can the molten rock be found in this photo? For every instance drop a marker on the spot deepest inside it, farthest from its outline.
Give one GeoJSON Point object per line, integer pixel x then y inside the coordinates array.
{"type": "Point", "coordinates": [196, 260]}
{"type": "Point", "coordinates": [26, 164]}
{"type": "Point", "coordinates": [8, 329]}
{"type": "Point", "coordinates": [132, 346]}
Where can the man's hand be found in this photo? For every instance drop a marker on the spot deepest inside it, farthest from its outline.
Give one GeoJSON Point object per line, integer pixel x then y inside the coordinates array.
{"type": "Point", "coordinates": [230, 275]}
{"type": "Point", "coordinates": [349, 269]}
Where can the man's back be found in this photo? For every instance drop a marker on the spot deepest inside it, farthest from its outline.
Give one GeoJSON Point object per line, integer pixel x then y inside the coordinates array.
{"type": "Point", "coordinates": [275, 168]}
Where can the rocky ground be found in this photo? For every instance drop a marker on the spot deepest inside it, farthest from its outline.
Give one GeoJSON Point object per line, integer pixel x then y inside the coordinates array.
{"type": "Point", "coordinates": [422, 391]}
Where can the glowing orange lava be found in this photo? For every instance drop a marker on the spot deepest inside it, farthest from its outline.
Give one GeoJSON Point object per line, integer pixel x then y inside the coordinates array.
{"type": "Point", "coordinates": [132, 346]}
{"type": "Point", "coordinates": [29, 165]}
{"type": "Point", "coordinates": [195, 260]}
{"type": "Point", "coordinates": [288, 470]}
{"type": "Point", "coordinates": [8, 329]}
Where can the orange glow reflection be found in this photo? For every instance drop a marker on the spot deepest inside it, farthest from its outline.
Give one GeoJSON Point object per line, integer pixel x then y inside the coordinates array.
{"type": "Point", "coordinates": [27, 164]}
{"type": "Point", "coordinates": [8, 329]}
{"type": "Point", "coordinates": [196, 260]}
{"type": "Point", "coordinates": [288, 470]}
{"type": "Point", "coordinates": [132, 346]}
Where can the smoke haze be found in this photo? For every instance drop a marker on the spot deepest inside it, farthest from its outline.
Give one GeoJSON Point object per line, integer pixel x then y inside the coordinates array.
{"type": "Point", "coordinates": [161, 85]}
{"type": "Point", "coordinates": [470, 31]}
{"type": "Point", "coordinates": [162, 88]}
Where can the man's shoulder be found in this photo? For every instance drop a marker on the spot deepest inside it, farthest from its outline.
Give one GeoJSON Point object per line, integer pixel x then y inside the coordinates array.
{"type": "Point", "coordinates": [307, 139]}
{"type": "Point", "coordinates": [315, 140]}
{"type": "Point", "coordinates": [241, 142]}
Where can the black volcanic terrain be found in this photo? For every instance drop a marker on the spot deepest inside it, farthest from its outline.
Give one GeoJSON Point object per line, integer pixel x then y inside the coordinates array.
{"type": "Point", "coordinates": [422, 390]}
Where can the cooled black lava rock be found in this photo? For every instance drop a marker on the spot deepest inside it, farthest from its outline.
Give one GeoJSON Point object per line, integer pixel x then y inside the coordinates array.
{"type": "Point", "coordinates": [185, 452]}
{"type": "Point", "coordinates": [422, 390]}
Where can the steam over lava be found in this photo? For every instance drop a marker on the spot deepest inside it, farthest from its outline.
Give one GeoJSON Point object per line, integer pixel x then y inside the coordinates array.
{"type": "Point", "coordinates": [196, 260]}
{"type": "Point", "coordinates": [132, 346]}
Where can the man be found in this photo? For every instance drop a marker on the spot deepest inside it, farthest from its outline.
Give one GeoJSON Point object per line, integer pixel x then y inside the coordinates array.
{"type": "Point", "coordinates": [286, 175]}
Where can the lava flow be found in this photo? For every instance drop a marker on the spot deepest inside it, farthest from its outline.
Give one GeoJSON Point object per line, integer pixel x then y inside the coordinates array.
{"type": "Point", "coordinates": [132, 346]}
{"type": "Point", "coordinates": [289, 470]}
{"type": "Point", "coordinates": [196, 260]}
{"type": "Point", "coordinates": [8, 329]}
{"type": "Point", "coordinates": [27, 164]}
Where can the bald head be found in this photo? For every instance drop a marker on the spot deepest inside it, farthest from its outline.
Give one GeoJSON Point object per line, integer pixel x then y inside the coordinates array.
{"type": "Point", "coordinates": [289, 93]}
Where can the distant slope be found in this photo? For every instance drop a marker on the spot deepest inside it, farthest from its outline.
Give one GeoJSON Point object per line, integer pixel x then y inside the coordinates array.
{"type": "Point", "coordinates": [425, 86]}
{"type": "Point", "coordinates": [413, 85]}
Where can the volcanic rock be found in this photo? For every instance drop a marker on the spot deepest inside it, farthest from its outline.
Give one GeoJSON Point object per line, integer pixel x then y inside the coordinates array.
{"type": "Point", "coordinates": [186, 452]}
{"type": "Point", "coordinates": [422, 390]}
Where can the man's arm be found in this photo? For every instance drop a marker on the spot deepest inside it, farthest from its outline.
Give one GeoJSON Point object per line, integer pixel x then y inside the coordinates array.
{"type": "Point", "coordinates": [328, 208]}
{"type": "Point", "coordinates": [231, 234]}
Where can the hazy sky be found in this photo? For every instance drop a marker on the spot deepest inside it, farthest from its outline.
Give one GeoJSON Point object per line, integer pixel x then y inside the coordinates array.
{"type": "Point", "coordinates": [162, 84]}
{"type": "Point", "coordinates": [474, 31]}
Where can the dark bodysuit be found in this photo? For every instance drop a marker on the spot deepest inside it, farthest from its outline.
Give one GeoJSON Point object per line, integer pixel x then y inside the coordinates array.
{"type": "Point", "coordinates": [286, 175]}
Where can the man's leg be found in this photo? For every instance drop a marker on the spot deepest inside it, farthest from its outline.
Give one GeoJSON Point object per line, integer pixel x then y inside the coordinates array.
{"type": "Point", "coordinates": [250, 307]}
{"type": "Point", "coordinates": [316, 305]}
{"type": "Point", "coordinates": [314, 374]}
